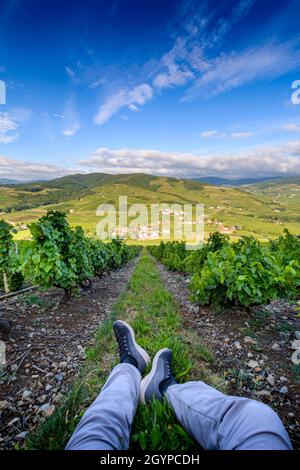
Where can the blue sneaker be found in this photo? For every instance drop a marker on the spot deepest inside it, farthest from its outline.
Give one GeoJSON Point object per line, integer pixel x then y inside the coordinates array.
{"type": "Point", "coordinates": [130, 352]}
{"type": "Point", "coordinates": [155, 384]}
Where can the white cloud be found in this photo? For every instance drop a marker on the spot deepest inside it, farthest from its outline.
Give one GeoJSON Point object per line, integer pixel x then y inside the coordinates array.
{"type": "Point", "coordinates": [124, 97]}
{"type": "Point", "coordinates": [212, 134]}
{"type": "Point", "coordinates": [133, 107]}
{"type": "Point", "coordinates": [241, 135]}
{"type": "Point", "coordinates": [261, 161]}
{"type": "Point", "coordinates": [71, 131]}
{"type": "Point", "coordinates": [20, 169]}
{"type": "Point", "coordinates": [291, 127]}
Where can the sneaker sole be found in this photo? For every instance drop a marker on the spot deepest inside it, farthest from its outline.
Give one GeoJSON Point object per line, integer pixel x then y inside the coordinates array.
{"type": "Point", "coordinates": [146, 380]}
{"type": "Point", "coordinates": [140, 350]}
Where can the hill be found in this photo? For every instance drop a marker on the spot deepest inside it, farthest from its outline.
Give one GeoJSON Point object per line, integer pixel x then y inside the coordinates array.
{"type": "Point", "coordinates": [262, 209]}
{"type": "Point", "coordinates": [284, 192]}
{"type": "Point", "coordinates": [16, 197]}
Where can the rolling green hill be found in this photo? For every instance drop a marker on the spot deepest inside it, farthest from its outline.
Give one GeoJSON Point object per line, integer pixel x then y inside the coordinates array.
{"type": "Point", "coordinates": [29, 195]}
{"type": "Point", "coordinates": [284, 192]}
{"type": "Point", "coordinates": [262, 209]}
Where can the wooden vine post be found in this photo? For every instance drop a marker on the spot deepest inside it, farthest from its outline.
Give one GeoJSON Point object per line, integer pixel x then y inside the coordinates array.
{"type": "Point", "coordinates": [5, 282]}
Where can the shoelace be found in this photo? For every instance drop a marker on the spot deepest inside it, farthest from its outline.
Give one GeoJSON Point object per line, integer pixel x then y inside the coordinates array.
{"type": "Point", "coordinates": [123, 346]}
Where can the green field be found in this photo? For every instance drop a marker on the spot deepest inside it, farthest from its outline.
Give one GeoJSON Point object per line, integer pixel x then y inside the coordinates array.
{"type": "Point", "coordinates": [262, 210]}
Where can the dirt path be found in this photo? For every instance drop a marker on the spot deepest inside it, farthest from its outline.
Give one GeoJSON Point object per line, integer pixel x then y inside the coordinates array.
{"type": "Point", "coordinates": [46, 348]}
{"type": "Point", "coordinates": [252, 349]}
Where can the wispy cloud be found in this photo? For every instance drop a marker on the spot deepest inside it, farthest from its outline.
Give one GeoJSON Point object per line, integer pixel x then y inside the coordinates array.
{"type": "Point", "coordinates": [10, 122]}
{"type": "Point", "coordinates": [7, 123]}
{"type": "Point", "coordinates": [206, 23]}
{"type": "Point", "coordinates": [70, 119]}
{"type": "Point", "coordinates": [97, 83]}
{"type": "Point", "coordinates": [133, 107]}
{"type": "Point", "coordinates": [241, 135]}
{"type": "Point", "coordinates": [71, 130]}
{"type": "Point", "coordinates": [229, 71]}
{"type": "Point", "coordinates": [7, 139]}
{"type": "Point", "coordinates": [214, 134]}
{"type": "Point", "coordinates": [261, 161]}
{"type": "Point", "coordinates": [70, 72]}
{"type": "Point", "coordinates": [192, 61]}
{"type": "Point", "coordinates": [291, 127]}
{"type": "Point", "coordinates": [123, 98]}
{"type": "Point", "coordinates": [175, 71]}
{"type": "Point", "coordinates": [73, 73]}
{"type": "Point", "coordinates": [185, 60]}
{"type": "Point", "coordinates": [195, 62]}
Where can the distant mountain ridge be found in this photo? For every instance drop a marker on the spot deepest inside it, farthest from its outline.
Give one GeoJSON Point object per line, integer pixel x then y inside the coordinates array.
{"type": "Point", "coordinates": [216, 181]}
{"type": "Point", "coordinates": [276, 182]}
{"type": "Point", "coordinates": [90, 180]}
{"type": "Point", "coordinates": [9, 181]}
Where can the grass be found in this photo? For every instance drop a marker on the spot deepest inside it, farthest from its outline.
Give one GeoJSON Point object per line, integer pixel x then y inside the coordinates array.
{"type": "Point", "coordinates": [155, 317]}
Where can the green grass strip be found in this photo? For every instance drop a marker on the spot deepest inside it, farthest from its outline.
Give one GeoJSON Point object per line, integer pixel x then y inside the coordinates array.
{"type": "Point", "coordinates": [154, 315]}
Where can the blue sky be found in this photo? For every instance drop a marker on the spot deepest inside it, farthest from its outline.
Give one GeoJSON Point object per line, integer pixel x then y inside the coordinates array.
{"type": "Point", "coordinates": [185, 88]}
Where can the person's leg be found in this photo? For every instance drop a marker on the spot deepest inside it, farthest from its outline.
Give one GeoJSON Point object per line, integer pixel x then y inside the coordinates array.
{"type": "Point", "coordinates": [216, 421]}
{"type": "Point", "coordinates": [106, 424]}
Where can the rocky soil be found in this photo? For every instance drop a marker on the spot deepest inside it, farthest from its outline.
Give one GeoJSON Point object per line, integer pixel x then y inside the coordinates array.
{"type": "Point", "coordinates": [253, 349]}
{"type": "Point", "coordinates": [45, 349]}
